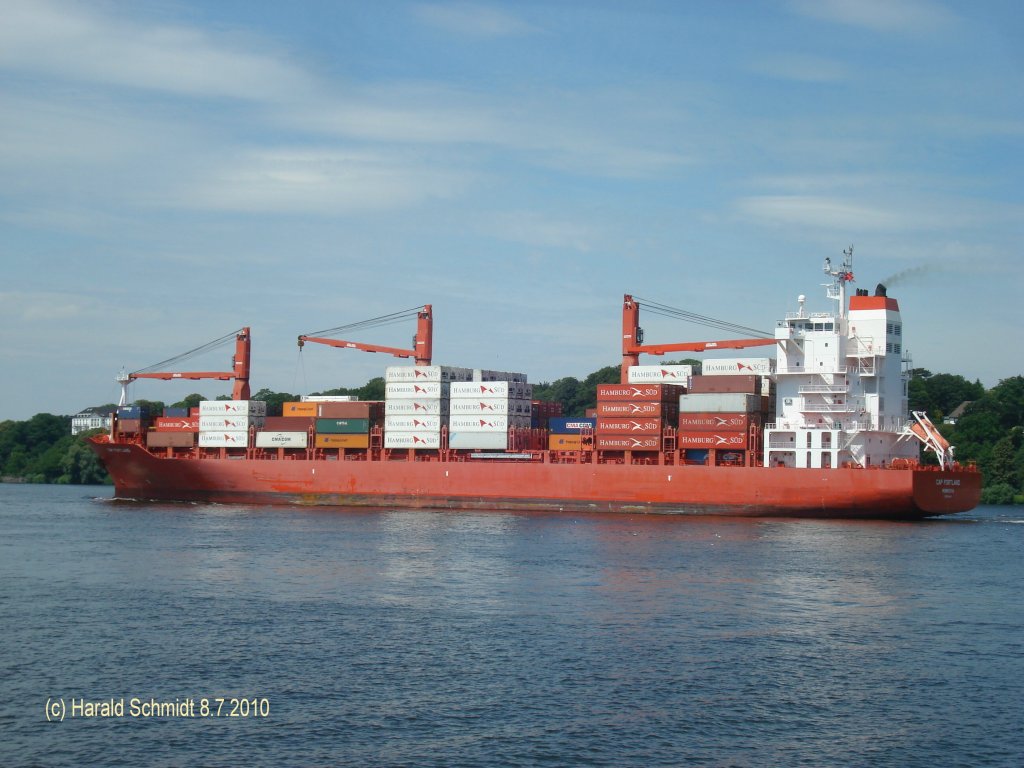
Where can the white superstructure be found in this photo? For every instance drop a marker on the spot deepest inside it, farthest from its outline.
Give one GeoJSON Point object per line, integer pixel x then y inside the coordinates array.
{"type": "Point", "coordinates": [840, 382]}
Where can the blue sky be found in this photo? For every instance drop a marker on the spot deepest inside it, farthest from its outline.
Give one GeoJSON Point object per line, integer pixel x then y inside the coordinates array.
{"type": "Point", "coordinates": [173, 171]}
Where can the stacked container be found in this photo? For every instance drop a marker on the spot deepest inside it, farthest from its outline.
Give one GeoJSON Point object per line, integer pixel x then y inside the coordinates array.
{"type": "Point", "coordinates": [719, 414]}
{"type": "Point", "coordinates": [660, 374]}
{"type": "Point", "coordinates": [482, 412]}
{"type": "Point", "coordinates": [567, 433]}
{"type": "Point", "coordinates": [632, 416]}
{"type": "Point", "coordinates": [542, 411]}
{"type": "Point", "coordinates": [225, 423]}
{"type": "Point", "coordinates": [132, 419]}
{"type": "Point", "coordinates": [416, 404]}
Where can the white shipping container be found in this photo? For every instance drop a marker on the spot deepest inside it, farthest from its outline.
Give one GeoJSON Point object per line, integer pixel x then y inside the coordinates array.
{"type": "Point", "coordinates": [438, 373]}
{"type": "Point", "coordinates": [507, 389]}
{"type": "Point", "coordinates": [232, 408]}
{"type": "Point", "coordinates": [223, 439]}
{"type": "Point", "coordinates": [738, 366]}
{"type": "Point", "coordinates": [665, 374]}
{"type": "Point", "coordinates": [412, 423]}
{"type": "Point", "coordinates": [435, 407]}
{"type": "Point", "coordinates": [430, 440]}
{"type": "Point", "coordinates": [229, 423]}
{"type": "Point", "coordinates": [481, 374]}
{"type": "Point", "coordinates": [328, 398]}
{"type": "Point", "coordinates": [282, 439]}
{"type": "Point", "coordinates": [489, 440]}
{"type": "Point", "coordinates": [415, 390]}
{"type": "Point", "coordinates": [719, 402]}
{"type": "Point", "coordinates": [487, 406]}
{"type": "Point", "coordinates": [486, 423]}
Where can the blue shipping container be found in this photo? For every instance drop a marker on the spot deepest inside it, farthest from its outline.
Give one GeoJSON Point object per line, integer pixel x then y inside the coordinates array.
{"type": "Point", "coordinates": [569, 425]}
{"type": "Point", "coordinates": [175, 412]}
{"type": "Point", "coordinates": [131, 412]}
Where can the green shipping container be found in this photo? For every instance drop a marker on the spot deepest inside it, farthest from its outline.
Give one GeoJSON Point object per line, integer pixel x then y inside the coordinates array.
{"type": "Point", "coordinates": [343, 426]}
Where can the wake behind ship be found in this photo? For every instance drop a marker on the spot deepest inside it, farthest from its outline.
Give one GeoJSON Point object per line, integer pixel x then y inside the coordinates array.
{"type": "Point", "coordinates": [820, 430]}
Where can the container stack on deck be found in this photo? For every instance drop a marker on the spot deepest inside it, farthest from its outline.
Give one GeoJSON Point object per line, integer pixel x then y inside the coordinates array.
{"type": "Point", "coordinates": [416, 404]}
{"type": "Point", "coordinates": [571, 433]}
{"type": "Point", "coordinates": [177, 428]}
{"type": "Point", "coordinates": [484, 411]}
{"type": "Point", "coordinates": [226, 423]}
{"type": "Point", "coordinates": [631, 417]}
{"type": "Point", "coordinates": [721, 417]}
{"type": "Point", "coordinates": [660, 374]}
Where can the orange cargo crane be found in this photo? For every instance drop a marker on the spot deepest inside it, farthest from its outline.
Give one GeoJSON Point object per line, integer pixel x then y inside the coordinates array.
{"type": "Point", "coordinates": [422, 343]}
{"type": "Point", "coordinates": [239, 364]}
{"type": "Point", "coordinates": [633, 334]}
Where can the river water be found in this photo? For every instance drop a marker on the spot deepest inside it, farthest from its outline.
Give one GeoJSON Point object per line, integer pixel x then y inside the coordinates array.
{"type": "Point", "coordinates": [416, 638]}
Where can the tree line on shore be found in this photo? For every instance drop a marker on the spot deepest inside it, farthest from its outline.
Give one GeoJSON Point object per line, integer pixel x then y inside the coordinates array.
{"type": "Point", "coordinates": [989, 431]}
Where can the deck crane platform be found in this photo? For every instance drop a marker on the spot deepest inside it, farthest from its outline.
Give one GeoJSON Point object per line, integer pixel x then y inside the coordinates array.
{"type": "Point", "coordinates": [239, 372]}
{"type": "Point", "coordinates": [422, 343]}
{"type": "Point", "coordinates": [633, 334]}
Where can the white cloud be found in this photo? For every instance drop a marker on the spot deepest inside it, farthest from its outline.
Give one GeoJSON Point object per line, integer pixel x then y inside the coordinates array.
{"type": "Point", "coordinates": [879, 15]}
{"type": "Point", "coordinates": [74, 43]}
{"type": "Point", "coordinates": [821, 212]}
{"type": "Point", "coordinates": [471, 19]}
{"type": "Point", "coordinates": [325, 181]}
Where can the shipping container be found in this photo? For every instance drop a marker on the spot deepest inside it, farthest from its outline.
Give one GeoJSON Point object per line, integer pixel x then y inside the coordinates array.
{"type": "Point", "coordinates": [486, 423]}
{"type": "Point", "coordinates": [174, 412]}
{"type": "Point", "coordinates": [717, 422]}
{"type": "Point", "coordinates": [665, 374]}
{"type": "Point", "coordinates": [427, 440]}
{"type": "Point", "coordinates": [649, 408]}
{"type": "Point", "coordinates": [482, 374]}
{"type": "Point", "coordinates": [223, 439]}
{"type": "Point", "coordinates": [611, 425]}
{"type": "Point", "coordinates": [734, 440]}
{"type": "Point", "coordinates": [228, 423]}
{"type": "Point", "coordinates": [719, 402]}
{"type": "Point", "coordinates": [568, 425]}
{"type": "Point", "coordinates": [300, 409]}
{"type": "Point", "coordinates": [343, 426]}
{"type": "Point", "coordinates": [365, 409]}
{"type": "Point", "coordinates": [566, 442]}
{"type": "Point", "coordinates": [438, 373]}
{"type": "Point", "coordinates": [327, 398]}
{"type": "Point", "coordinates": [738, 366]}
{"type": "Point", "coordinates": [415, 390]}
{"type": "Point", "coordinates": [433, 407]}
{"type": "Point", "coordinates": [176, 424]}
{"type": "Point", "coordinates": [748, 385]}
{"type": "Point", "coordinates": [132, 412]}
{"type": "Point", "coordinates": [491, 405]}
{"type": "Point", "coordinates": [129, 426]}
{"type": "Point", "coordinates": [656, 392]}
{"type": "Point", "coordinates": [169, 439]}
{"type": "Point", "coordinates": [507, 389]}
{"type": "Point", "coordinates": [288, 423]}
{"type": "Point", "coordinates": [412, 423]}
{"type": "Point", "coordinates": [232, 408]}
{"type": "Point", "coordinates": [282, 439]}
{"type": "Point", "coordinates": [480, 440]}
{"type": "Point", "coordinates": [341, 441]}
{"type": "Point", "coordinates": [626, 443]}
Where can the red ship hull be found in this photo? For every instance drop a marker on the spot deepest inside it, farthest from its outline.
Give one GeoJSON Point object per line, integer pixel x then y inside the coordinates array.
{"type": "Point", "coordinates": [534, 485]}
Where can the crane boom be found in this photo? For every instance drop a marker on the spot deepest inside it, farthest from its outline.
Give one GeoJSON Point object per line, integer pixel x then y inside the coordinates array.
{"type": "Point", "coordinates": [422, 346]}
{"type": "Point", "coordinates": [240, 370]}
{"type": "Point", "coordinates": [633, 346]}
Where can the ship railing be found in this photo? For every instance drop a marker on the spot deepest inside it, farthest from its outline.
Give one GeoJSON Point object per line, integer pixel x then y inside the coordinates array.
{"type": "Point", "coordinates": [810, 316]}
{"type": "Point", "coordinates": [834, 389]}
{"type": "Point", "coordinates": [798, 369]}
{"type": "Point", "coordinates": [826, 408]}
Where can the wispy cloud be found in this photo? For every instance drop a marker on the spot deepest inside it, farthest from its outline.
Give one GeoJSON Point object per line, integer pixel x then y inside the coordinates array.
{"type": "Point", "coordinates": [472, 19]}
{"type": "Point", "coordinates": [878, 15]}
{"type": "Point", "coordinates": [821, 213]}
{"type": "Point", "coordinates": [73, 42]}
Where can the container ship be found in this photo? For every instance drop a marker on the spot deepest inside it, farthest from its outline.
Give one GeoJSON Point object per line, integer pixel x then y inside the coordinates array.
{"type": "Point", "coordinates": [821, 429]}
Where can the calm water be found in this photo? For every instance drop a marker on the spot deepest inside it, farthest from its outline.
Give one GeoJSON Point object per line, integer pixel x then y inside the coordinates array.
{"type": "Point", "coordinates": [468, 639]}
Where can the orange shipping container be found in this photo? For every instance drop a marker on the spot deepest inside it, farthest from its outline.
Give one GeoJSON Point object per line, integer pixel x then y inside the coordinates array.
{"type": "Point", "coordinates": [654, 392]}
{"type": "Point", "coordinates": [749, 385]}
{"type": "Point", "coordinates": [609, 425]}
{"type": "Point", "coordinates": [624, 408]}
{"type": "Point", "coordinates": [733, 440]}
{"type": "Point", "coordinates": [627, 443]}
{"type": "Point", "coordinates": [342, 441]}
{"type": "Point", "coordinates": [717, 422]}
{"type": "Point", "coordinates": [299, 409]}
{"type": "Point", "coordinates": [363, 409]}
{"type": "Point", "coordinates": [170, 439]}
{"type": "Point", "coordinates": [565, 442]}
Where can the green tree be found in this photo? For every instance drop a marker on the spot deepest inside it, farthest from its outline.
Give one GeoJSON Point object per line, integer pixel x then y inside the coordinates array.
{"type": "Point", "coordinates": [191, 401]}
